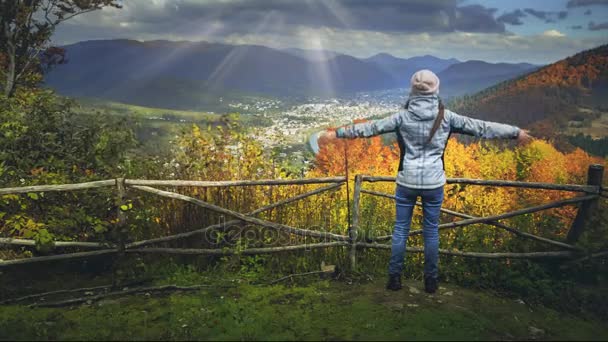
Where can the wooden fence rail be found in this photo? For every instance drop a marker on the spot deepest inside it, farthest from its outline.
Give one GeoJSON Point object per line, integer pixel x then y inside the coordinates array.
{"type": "Point", "coordinates": [351, 240]}
{"type": "Point", "coordinates": [59, 187]}
{"type": "Point", "coordinates": [245, 218]}
{"type": "Point", "coordinates": [592, 189]}
{"type": "Point", "coordinates": [457, 214]}
{"type": "Point", "coordinates": [207, 184]}
{"type": "Point", "coordinates": [230, 223]}
{"type": "Point", "coordinates": [493, 218]}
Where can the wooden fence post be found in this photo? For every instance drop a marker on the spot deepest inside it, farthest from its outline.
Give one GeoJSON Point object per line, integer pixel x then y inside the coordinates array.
{"type": "Point", "coordinates": [595, 176]}
{"type": "Point", "coordinates": [352, 233]}
{"type": "Point", "coordinates": [119, 228]}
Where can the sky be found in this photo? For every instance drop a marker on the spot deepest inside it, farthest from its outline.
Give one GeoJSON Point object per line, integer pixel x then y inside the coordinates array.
{"type": "Point", "coordinates": [539, 31]}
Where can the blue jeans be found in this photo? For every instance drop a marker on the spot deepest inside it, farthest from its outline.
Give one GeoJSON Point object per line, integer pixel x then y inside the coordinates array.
{"type": "Point", "coordinates": [431, 203]}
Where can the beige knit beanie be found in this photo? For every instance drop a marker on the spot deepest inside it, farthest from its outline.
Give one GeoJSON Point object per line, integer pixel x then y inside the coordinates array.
{"type": "Point", "coordinates": [425, 82]}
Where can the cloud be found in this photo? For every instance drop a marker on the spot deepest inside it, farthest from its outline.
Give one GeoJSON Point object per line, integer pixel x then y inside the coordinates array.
{"type": "Point", "coordinates": [476, 18]}
{"type": "Point", "coordinates": [588, 12]}
{"type": "Point", "coordinates": [597, 27]}
{"type": "Point", "coordinates": [512, 18]}
{"type": "Point", "coordinates": [493, 47]}
{"type": "Point", "coordinates": [553, 33]}
{"type": "Point", "coordinates": [547, 16]}
{"type": "Point", "coordinates": [445, 28]}
{"type": "Point", "coordinates": [278, 15]}
{"type": "Point", "coordinates": [536, 13]}
{"type": "Point", "coordinates": [583, 3]}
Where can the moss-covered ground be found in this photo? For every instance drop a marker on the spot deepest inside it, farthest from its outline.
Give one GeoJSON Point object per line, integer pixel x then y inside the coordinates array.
{"type": "Point", "coordinates": [313, 309]}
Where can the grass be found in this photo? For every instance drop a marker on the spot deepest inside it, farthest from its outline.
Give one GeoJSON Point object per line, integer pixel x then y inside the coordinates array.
{"type": "Point", "coordinates": [319, 310]}
{"type": "Point", "coordinates": [90, 105]}
{"type": "Point", "coordinates": [156, 127]}
{"type": "Point", "coordinates": [162, 116]}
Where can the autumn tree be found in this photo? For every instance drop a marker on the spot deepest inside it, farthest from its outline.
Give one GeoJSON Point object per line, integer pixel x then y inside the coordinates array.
{"type": "Point", "coordinates": [26, 27]}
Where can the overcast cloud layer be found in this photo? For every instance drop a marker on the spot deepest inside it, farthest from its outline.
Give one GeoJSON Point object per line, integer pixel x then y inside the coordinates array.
{"type": "Point", "coordinates": [445, 28]}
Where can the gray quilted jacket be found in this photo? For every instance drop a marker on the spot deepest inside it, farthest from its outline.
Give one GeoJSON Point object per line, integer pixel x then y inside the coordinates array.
{"type": "Point", "coordinates": [421, 164]}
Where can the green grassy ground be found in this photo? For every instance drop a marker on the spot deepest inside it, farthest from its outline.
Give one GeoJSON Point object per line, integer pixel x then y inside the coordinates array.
{"type": "Point", "coordinates": [156, 127]}
{"type": "Point", "coordinates": [320, 310]}
{"type": "Point", "coordinates": [88, 106]}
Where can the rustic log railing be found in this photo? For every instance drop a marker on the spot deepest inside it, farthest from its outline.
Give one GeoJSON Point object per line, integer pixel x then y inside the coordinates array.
{"type": "Point", "coordinates": [588, 202]}
{"type": "Point", "coordinates": [121, 248]}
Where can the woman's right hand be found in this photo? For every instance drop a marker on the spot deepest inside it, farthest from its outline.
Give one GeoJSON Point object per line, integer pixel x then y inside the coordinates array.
{"type": "Point", "coordinates": [524, 137]}
{"type": "Point", "coordinates": [328, 134]}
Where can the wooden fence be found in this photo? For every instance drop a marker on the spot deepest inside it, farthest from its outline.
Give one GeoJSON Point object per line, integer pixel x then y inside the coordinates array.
{"type": "Point", "coordinates": [588, 202]}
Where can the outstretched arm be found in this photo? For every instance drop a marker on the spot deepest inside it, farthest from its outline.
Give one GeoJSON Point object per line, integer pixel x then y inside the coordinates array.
{"type": "Point", "coordinates": [370, 128]}
{"type": "Point", "coordinates": [482, 129]}
{"type": "Point", "coordinates": [488, 129]}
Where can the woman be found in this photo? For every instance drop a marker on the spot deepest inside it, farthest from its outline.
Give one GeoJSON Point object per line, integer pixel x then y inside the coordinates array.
{"type": "Point", "coordinates": [423, 128]}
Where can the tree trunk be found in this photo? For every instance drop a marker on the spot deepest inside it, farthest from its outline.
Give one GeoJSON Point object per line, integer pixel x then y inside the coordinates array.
{"type": "Point", "coordinates": [9, 86]}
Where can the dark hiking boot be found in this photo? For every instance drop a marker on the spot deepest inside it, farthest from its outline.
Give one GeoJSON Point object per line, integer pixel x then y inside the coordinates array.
{"type": "Point", "coordinates": [394, 282]}
{"type": "Point", "coordinates": [430, 284]}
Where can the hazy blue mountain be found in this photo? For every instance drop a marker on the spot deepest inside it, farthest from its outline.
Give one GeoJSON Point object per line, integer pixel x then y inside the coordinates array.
{"type": "Point", "coordinates": [124, 69]}
{"type": "Point", "coordinates": [186, 75]}
{"type": "Point", "coordinates": [472, 76]}
{"type": "Point", "coordinates": [433, 63]}
{"type": "Point", "coordinates": [401, 69]}
{"type": "Point", "coordinates": [312, 55]}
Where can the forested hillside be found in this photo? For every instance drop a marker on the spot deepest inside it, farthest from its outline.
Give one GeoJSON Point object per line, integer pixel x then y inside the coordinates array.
{"type": "Point", "coordinates": [548, 100]}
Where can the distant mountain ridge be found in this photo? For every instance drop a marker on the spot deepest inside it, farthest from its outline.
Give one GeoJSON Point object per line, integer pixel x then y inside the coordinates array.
{"type": "Point", "coordinates": [472, 76]}
{"type": "Point", "coordinates": [184, 74]}
{"type": "Point", "coordinates": [123, 70]}
{"type": "Point", "coordinates": [313, 55]}
{"type": "Point", "coordinates": [549, 99]}
{"type": "Point", "coordinates": [401, 69]}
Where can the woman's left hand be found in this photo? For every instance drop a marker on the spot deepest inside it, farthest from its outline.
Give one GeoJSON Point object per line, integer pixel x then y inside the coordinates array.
{"type": "Point", "coordinates": [524, 137]}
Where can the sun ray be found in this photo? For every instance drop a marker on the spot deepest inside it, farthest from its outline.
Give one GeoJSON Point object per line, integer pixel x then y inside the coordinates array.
{"type": "Point", "coordinates": [339, 12]}
{"type": "Point", "coordinates": [322, 68]}
{"type": "Point", "coordinates": [156, 68]}
{"type": "Point", "coordinates": [325, 72]}
{"type": "Point", "coordinates": [236, 54]}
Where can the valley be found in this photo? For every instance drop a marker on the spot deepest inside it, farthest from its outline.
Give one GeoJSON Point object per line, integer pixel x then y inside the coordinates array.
{"type": "Point", "coordinates": [295, 93]}
{"type": "Point", "coordinates": [284, 125]}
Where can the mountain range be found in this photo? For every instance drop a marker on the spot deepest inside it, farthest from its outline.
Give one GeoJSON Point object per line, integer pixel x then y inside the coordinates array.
{"type": "Point", "coordinates": [187, 75]}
